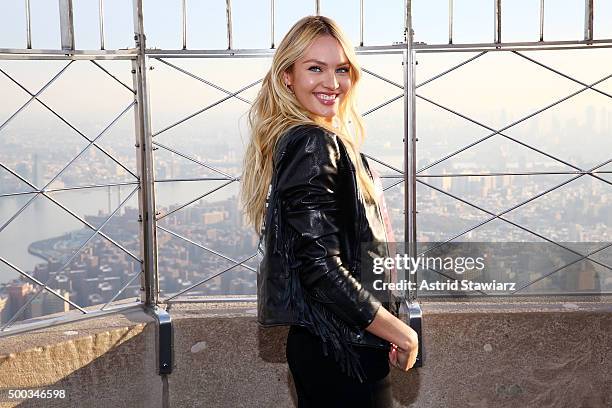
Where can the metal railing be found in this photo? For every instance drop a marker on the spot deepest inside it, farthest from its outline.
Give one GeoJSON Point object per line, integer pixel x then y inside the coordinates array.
{"type": "Point", "coordinates": [147, 140]}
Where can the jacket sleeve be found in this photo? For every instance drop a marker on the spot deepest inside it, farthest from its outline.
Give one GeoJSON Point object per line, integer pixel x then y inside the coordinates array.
{"type": "Point", "coordinates": [308, 189]}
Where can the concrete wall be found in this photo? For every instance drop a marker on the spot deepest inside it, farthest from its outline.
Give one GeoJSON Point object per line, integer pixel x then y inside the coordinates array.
{"type": "Point", "coordinates": [528, 354]}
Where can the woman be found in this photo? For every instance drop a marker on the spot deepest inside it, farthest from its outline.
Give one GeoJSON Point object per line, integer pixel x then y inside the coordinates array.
{"type": "Point", "coordinates": [309, 192]}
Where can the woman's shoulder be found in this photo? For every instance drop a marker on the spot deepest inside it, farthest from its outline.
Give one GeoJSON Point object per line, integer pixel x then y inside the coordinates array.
{"type": "Point", "coordinates": [307, 138]}
{"type": "Point", "coordinates": [308, 132]}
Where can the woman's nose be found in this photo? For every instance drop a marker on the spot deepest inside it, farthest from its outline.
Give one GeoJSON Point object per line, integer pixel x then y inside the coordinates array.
{"type": "Point", "coordinates": [331, 81]}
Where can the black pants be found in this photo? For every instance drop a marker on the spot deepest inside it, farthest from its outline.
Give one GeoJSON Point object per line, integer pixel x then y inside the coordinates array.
{"type": "Point", "coordinates": [320, 383]}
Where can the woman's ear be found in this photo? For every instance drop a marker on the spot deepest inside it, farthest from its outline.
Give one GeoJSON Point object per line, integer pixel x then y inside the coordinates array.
{"type": "Point", "coordinates": [287, 77]}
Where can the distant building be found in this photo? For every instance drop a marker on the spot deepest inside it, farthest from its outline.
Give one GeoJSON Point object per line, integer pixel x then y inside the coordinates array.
{"type": "Point", "coordinates": [47, 303]}
{"type": "Point", "coordinates": [18, 294]}
{"type": "Point", "coordinates": [213, 217]}
{"type": "Point", "coordinates": [4, 308]}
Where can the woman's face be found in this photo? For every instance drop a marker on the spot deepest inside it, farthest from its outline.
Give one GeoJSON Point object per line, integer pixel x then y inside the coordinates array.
{"type": "Point", "coordinates": [321, 77]}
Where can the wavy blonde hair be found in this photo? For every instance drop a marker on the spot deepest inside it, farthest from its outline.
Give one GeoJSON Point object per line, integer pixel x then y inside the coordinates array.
{"type": "Point", "coordinates": [276, 110]}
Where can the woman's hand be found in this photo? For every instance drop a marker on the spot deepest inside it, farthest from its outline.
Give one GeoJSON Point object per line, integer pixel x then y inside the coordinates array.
{"type": "Point", "coordinates": [405, 358]}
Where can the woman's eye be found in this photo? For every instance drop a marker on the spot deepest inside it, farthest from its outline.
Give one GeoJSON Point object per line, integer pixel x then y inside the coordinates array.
{"type": "Point", "coordinates": [315, 68]}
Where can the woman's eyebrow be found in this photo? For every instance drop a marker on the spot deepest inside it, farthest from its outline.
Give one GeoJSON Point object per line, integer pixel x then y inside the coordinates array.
{"type": "Point", "coordinates": [323, 63]}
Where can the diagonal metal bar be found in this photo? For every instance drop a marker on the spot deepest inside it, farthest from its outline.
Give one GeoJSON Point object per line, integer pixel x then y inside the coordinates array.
{"type": "Point", "coordinates": [518, 205]}
{"type": "Point", "coordinates": [68, 211]}
{"type": "Point", "coordinates": [488, 136]}
{"type": "Point", "coordinates": [504, 128]}
{"type": "Point", "coordinates": [495, 132]}
{"type": "Point", "coordinates": [114, 77]}
{"type": "Point", "coordinates": [41, 285]}
{"type": "Point", "coordinates": [382, 78]}
{"type": "Point", "coordinates": [562, 267]}
{"type": "Point", "coordinates": [71, 126]}
{"type": "Point", "coordinates": [393, 185]}
{"type": "Point", "coordinates": [560, 73]}
{"type": "Point", "coordinates": [208, 107]}
{"type": "Point", "coordinates": [184, 71]}
{"type": "Point", "coordinates": [185, 156]}
{"type": "Point", "coordinates": [400, 86]}
{"type": "Point", "coordinates": [383, 163]}
{"type": "Point", "coordinates": [509, 126]}
{"type": "Point", "coordinates": [32, 97]}
{"type": "Point", "coordinates": [210, 277]}
{"type": "Point", "coordinates": [395, 98]}
{"type": "Point", "coordinates": [451, 69]}
{"type": "Point", "coordinates": [510, 222]}
{"type": "Point", "coordinates": [586, 86]}
{"type": "Point", "coordinates": [136, 275]}
{"type": "Point", "coordinates": [203, 247]}
{"type": "Point", "coordinates": [45, 287]}
{"type": "Point", "coordinates": [194, 200]}
{"type": "Point", "coordinates": [42, 190]}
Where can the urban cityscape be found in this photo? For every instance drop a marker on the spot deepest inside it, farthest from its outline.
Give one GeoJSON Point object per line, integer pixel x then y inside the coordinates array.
{"type": "Point", "coordinates": [215, 225]}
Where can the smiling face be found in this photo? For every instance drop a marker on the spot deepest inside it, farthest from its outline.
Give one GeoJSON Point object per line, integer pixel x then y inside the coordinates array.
{"type": "Point", "coordinates": [321, 77]}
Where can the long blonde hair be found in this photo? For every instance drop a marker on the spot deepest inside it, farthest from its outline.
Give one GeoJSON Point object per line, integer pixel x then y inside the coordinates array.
{"type": "Point", "coordinates": [275, 110]}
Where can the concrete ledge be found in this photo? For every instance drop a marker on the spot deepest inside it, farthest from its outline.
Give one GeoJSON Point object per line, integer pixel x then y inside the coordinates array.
{"type": "Point", "coordinates": [531, 354]}
{"type": "Point", "coordinates": [101, 362]}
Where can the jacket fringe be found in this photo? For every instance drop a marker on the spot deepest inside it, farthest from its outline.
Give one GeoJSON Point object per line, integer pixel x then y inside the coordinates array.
{"type": "Point", "coordinates": [323, 323]}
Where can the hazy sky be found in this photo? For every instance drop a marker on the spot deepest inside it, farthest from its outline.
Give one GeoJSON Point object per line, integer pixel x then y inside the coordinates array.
{"type": "Point", "coordinates": [473, 21]}
{"type": "Point", "coordinates": [524, 88]}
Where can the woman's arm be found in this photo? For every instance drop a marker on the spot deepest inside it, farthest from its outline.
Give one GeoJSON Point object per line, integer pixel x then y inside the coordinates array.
{"type": "Point", "coordinates": [308, 182]}
{"type": "Point", "coordinates": [308, 188]}
{"type": "Point", "coordinates": [392, 329]}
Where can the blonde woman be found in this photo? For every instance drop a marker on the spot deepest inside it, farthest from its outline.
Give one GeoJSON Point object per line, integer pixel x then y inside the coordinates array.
{"type": "Point", "coordinates": [310, 194]}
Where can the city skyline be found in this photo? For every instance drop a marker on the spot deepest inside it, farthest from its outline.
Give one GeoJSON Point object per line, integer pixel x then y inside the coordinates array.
{"type": "Point", "coordinates": [37, 144]}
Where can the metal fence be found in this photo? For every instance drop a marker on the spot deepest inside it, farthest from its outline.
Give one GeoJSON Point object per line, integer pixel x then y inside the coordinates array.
{"type": "Point", "coordinates": [167, 271]}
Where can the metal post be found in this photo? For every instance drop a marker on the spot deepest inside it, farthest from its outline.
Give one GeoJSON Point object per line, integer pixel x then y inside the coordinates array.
{"type": "Point", "coordinates": [144, 157]}
{"type": "Point", "coordinates": [541, 20]}
{"type": "Point", "coordinates": [361, 23]}
{"type": "Point", "coordinates": [228, 12]}
{"type": "Point", "coordinates": [101, 18]}
{"type": "Point", "coordinates": [497, 24]}
{"type": "Point", "coordinates": [272, 23]}
{"type": "Point", "coordinates": [66, 24]}
{"type": "Point", "coordinates": [588, 20]}
{"type": "Point", "coordinates": [318, 7]}
{"type": "Point", "coordinates": [413, 314]}
{"type": "Point", "coordinates": [184, 25]}
{"type": "Point", "coordinates": [409, 143]}
{"type": "Point", "coordinates": [450, 21]}
{"type": "Point", "coordinates": [28, 24]}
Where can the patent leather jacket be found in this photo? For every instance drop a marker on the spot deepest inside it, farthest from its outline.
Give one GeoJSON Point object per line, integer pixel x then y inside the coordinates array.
{"type": "Point", "coordinates": [316, 218]}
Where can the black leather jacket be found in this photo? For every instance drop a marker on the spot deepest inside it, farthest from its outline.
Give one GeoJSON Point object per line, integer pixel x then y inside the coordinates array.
{"type": "Point", "coordinates": [316, 219]}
